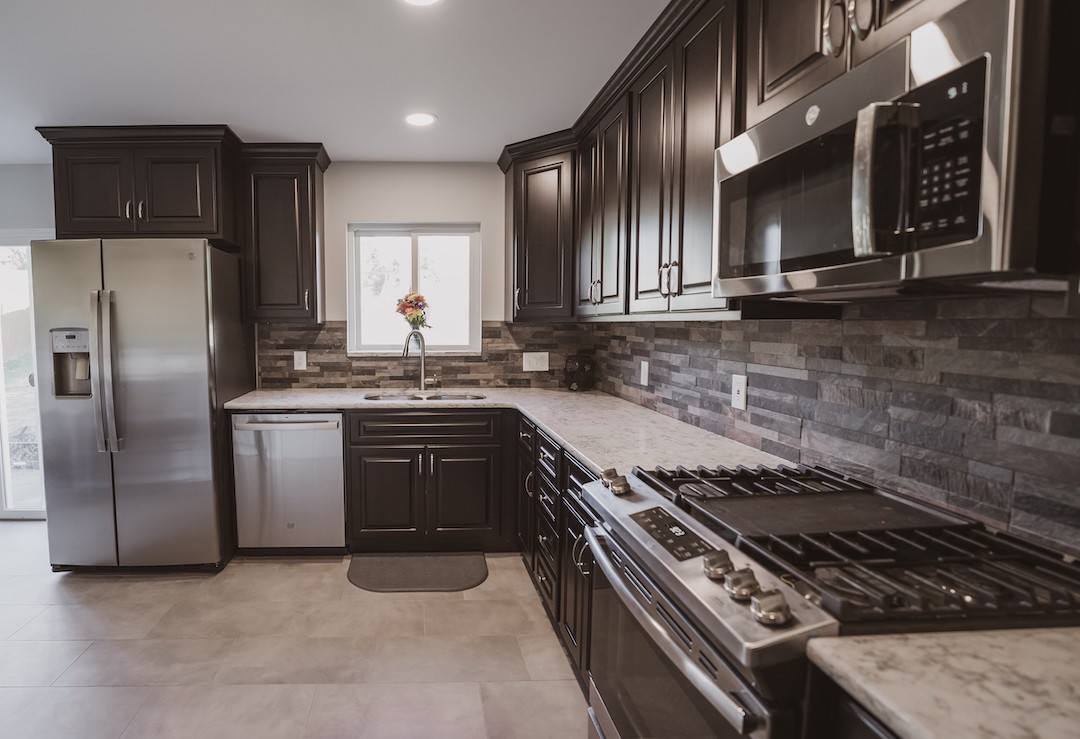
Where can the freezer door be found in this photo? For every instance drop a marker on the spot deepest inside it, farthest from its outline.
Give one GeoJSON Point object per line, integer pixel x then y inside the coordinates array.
{"type": "Point", "coordinates": [166, 501]}
{"type": "Point", "coordinates": [78, 474]}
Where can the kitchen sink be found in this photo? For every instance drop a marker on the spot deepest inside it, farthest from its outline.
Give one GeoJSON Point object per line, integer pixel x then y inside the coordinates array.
{"type": "Point", "coordinates": [417, 396]}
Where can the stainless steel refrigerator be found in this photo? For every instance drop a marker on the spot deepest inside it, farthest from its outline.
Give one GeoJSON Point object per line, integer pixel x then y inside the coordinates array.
{"type": "Point", "coordinates": [139, 345]}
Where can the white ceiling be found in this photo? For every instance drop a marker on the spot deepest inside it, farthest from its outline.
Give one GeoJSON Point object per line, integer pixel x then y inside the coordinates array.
{"type": "Point", "coordinates": [342, 72]}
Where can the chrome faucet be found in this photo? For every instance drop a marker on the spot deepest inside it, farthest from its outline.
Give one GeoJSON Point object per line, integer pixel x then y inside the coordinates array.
{"type": "Point", "coordinates": [423, 355]}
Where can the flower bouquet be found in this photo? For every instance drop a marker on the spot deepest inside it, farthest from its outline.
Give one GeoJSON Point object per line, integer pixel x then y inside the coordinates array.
{"type": "Point", "coordinates": [414, 307]}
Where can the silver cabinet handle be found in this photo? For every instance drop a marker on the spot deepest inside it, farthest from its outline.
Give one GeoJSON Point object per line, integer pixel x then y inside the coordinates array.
{"type": "Point", "coordinates": [528, 477]}
{"type": "Point", "coordinates": [140, 211]}
{"type": "Point", "coordinates": [545, 454]}
{"type": "Point", "coordinates": [664, 288]}
{"type": "Point", "coordinates": [95, 370]}
{"type": "Point", "coordinates": [523, 435]}
{"type": "Point", "coordinates": [904, 118]}
{"type": "Point", "coordinates": [595, 294]}
{"type": "Point", "coordinates": [307, 296]}
{"type": "Point", "coordinates": [127, 210]}
{"type": "Point", "coordinates": [517, 298]}
{"type": "Point", "coordinates": [420, 464]}
{"type": "Point", "coordinates": [286, 425]}
{"type": "Point", "coordinates": [579, 561]}
{"type": "Point", "coordinates": [833, 22]}
{"type": "Point", "coordinates": [671, 270]}
{"type": "Point", "coordinates": [431, 464]}
{"type": "Point", "coordinates": [116, 442]}
{"type": "Point", "coordinates": [860, 30]}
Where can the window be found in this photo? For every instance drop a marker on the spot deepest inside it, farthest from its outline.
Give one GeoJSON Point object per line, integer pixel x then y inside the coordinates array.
{"type": "Point", "coordinates": [439, 261]}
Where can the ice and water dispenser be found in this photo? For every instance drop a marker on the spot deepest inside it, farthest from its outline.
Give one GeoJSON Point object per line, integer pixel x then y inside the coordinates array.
{"type": "Point", "coordinates": [71, 362]}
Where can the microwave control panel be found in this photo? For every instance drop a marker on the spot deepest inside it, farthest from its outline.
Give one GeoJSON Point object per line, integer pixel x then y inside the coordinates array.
{"type": "Point", "coordinates": [950, 156]}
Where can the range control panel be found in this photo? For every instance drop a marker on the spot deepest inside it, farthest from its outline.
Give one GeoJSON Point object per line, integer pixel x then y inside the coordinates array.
{"type": "Point", "coordinates": [678, 542]}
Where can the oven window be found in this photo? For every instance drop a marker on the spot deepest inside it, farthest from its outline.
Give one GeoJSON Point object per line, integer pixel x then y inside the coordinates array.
{"type": "Point", "coordinates": [642, 692]}
{"type": "Point", "coordinates": [791, 212]}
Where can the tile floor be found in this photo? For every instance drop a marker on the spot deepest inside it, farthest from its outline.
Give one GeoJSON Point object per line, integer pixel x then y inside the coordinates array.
{"type": "Point", "coordinates": [272, 648]}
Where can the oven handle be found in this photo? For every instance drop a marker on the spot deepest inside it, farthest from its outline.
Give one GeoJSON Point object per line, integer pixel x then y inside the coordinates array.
{"type": "Point", "coordinates": [871, 119]}
{"type": "Point", "coordinates": [735, 713]}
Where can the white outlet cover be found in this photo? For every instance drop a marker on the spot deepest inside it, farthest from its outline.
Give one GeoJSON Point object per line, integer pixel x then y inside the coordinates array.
{"type": "Point", "coordinates": [644, 373]}
{"type": "Point", "coordinates": [299, 360]}
{"type": "Point", "coordinates": [738, 392]}
{"type": "Point", "coordinates": [534, 361]}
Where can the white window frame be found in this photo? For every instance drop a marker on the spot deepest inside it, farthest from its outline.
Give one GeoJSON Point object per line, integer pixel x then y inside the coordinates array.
{"type": "Point", "coordinates": [353, 347]}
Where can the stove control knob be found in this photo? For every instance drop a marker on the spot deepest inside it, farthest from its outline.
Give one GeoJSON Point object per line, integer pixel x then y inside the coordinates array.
{"type": "Point", "coordinates": [741, 584]}
{"type": "Point", "coordinates": [608, 475]}
{"type": "Point", "coordinates": [620, 485]}
{"type": "Point", "coordinates": [717, 563]}
{"type": "Point", "coordinates": [770, 608]}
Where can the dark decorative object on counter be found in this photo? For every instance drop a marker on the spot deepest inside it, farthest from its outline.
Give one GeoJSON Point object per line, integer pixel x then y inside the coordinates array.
{"type": "Point", "coordinates": [579, 369]}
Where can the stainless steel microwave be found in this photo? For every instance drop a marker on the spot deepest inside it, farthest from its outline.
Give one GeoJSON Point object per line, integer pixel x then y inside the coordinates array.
{"type": "Point", "coordinates": [951, 156]}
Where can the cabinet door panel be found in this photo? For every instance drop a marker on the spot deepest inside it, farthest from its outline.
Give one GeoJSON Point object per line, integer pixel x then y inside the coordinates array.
{"type": "Point", "coordinates": [704, 112]}
{"type": "Point", "coordinates": [543, 235]}
{"type": "Point", "coordinates": [786, 56]}
{"type": "Point", "coordinates": [94, 190]}
{"type": "Point", "coordinates": [463, 489]}
{"type": "Point", "coordinates": [586, 228]}
{"type": "Point", "coordinates": [526, 524]}
{"type": "Point", "coordinates": [609, 256]}
{"type": "Point", "coordinates": [386, 485]}
{"type": "Point", "coordinates": [650, 202]}
{"type": "Point", "coordinates": [176, 189]}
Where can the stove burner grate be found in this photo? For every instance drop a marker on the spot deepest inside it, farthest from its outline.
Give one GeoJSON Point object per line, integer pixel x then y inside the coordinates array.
{"type": "Point", "coordinates": [718, 482]}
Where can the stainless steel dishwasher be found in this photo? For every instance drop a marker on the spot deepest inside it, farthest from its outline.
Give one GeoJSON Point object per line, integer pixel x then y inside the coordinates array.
{"type": "Point", "coordinates": [290, 480]}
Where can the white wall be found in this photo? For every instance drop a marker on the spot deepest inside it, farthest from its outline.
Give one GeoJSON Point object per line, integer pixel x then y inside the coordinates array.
{"type": "Point", "coordinates": [26, 196]}
{"type": "Point", "coordinates": [406, 192]}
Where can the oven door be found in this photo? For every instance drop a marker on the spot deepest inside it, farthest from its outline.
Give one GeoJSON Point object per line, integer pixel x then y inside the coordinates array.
{"type": "Point", "coordinates": [651, 673]}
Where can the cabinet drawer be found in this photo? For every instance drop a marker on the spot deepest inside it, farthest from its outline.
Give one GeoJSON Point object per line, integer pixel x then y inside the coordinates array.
{"type": "Point", "coordinates": [407, 427]}
{"type": "Point", "coordinates": [547, 584]}
{"type": "Point", "coordinates": [548, 457]}
{"type": "Point", "coordinates": [526, 436]}
{"type": "Point", "coordinates": [547, 498]}
{"type": "Point", "coordinates": [547, 543]}
{"type": "Point", "coordinates": [577, 476]}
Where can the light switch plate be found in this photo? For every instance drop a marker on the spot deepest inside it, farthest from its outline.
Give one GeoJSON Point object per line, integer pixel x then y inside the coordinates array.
{"type": "Point", "coordinates": [738, 392]}
{"type": "Point", "coordinates": [534, 361]}
{"type": "Point", "coordinates": [299, 360]}
{"type": "Point", "coordinates": [644, 373]}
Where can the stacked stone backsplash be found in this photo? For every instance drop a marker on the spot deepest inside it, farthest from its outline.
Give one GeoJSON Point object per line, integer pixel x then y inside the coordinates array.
{"type": "Point", "coordinates": [499, 364]}
{"type": "Point", "coordinates": [972, 404]}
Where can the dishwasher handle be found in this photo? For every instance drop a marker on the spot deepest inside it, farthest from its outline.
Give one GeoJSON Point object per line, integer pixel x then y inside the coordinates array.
{"type": "Point", "coordinates": [286, 425]}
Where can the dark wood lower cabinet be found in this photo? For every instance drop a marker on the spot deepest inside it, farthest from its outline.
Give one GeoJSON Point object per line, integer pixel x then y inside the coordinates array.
{"type": "Point", "coordinates": [526, 512]}
{"type": "Point", "coordinates": [386, 501]}
{"type": "Point", "coordinates": [832, 713]}
{"type": "Point", "coordinates": [575, 583]}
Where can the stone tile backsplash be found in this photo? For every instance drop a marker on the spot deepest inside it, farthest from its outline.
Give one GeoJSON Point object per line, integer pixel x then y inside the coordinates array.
{"type": "Point", "coordinates": [972, 404]}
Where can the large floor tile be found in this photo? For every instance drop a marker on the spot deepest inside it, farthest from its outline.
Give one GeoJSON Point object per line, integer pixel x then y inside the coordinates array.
{"type": "Point", "coordinates": [359, 620]}
{"type": "Point", "coordinates": [224, 620]}
{"type": "Point", "coordinates": [352, 594]}
{"type": "Point", "coordinates": [51, 589]}
{"type": "Point", "coordinates": [36, 663]}
{"type": "Point", "coordinates": [93, 621]}
{"type": "Point", "coordinates": [296, 661]}
{"type": "Point", "coordinates": [397, 712]}
{"type": "Point", "coordinates": [223, 712]}
{"type": "Point", "coordinates": [147, 662]}
{"type": "Point", "coordinates": [281, 583]}
{"type": "Point", "coordinates": [13, 618]}
{"type": "Point", "coordinates": [545, 657]}
{"type": "Point", "coordinates": [552, 709]}
{"type": "Point", "coordinates": [506, 584]}
{"type": "Point", "coordinates": [485, 618]}
{"type": "Point", "coordinates": [164, 587]}
{"type": "Point", "coordinates": [447, 659]}
{"type": "Point", "coordinates": [68, 713]}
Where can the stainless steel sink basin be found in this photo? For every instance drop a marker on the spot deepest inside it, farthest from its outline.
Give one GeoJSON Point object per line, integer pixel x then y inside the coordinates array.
{"type": "Point", "coordinates": [416, 396]}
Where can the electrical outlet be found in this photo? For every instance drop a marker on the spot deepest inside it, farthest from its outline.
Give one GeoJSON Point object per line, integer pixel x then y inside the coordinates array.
{"type": "Point", "coordinates": [534, 361]}
{"type": "Point", "coordinates": [738, 392]}
{"type": "Point", "coordinates": [644, 373]}
{"type": "Point", "coordinates": [299, 360]}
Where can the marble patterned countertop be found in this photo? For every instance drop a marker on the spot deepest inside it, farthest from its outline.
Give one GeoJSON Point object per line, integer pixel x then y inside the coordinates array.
{"type": "Point", "coordinates": [600, 430]}
{"type": "Point", "coordinates": [1005, 684]}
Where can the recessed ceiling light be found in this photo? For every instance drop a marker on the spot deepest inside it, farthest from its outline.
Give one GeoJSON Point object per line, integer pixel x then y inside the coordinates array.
{"type": "Point", "coordinates": [420, 119]}
{"type": "Point", "coordinates": [421, 2]}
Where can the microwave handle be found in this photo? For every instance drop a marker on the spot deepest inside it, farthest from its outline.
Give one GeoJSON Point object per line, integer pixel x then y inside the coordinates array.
{"type": "Point", "coordinates": [905, 118]}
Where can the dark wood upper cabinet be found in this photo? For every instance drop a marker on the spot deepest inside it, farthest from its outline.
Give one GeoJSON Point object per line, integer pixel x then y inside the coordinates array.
{"type": "Point", "coordinates": [145, 181]}
{"type": "Point", "coordinates": [283, 232]}
{"type": "Point", "coordinates": [793, 47]}
{"type": "Point", "coordinates": [705, 54]}
{"type": "Point", "coordinates": [585, 299]}
{"type": "Point", "coordinates": [653, 109]}
{"type": "Point", "coordinates": [543, 202]}
{"type": "Point", "coordinates": [603, 239]}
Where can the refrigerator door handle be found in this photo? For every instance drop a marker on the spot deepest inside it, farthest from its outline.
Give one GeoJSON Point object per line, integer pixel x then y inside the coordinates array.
{"type": "Point", "coordinates": [116, 442]}
{"type": "Point", "coordinates": [95, 369]}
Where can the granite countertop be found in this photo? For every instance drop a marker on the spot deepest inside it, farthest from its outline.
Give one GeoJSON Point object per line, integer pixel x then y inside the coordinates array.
{"type": "Point", "coordinates": [1003, 684]}
{"type": "Point", "coordinates": [600, 430]}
